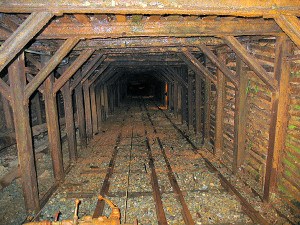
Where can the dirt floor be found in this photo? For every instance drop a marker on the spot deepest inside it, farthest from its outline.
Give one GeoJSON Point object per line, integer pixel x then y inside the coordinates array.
{"type": "Point", "coordinates": [142, 160]}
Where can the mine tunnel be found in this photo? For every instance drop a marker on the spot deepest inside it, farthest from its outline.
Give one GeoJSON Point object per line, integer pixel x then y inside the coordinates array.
{"type": "Point", "coordinates": [149, 112]}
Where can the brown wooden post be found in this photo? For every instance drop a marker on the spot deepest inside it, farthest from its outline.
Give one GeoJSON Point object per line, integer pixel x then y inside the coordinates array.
{"type": "Point", "coordinates": [279, 119]}
{"type": "Point", "coordinates": [198, 103]}
{"type": "Point", "coordinates": [80, 115]}
{"type": "Point", "coordinates": [105, 101]}
{"type": "Point", "coordinates": [175, 99]}
{"type": "Point", "coordinates": [9, 121]}
{"type": "Point", "coordinates": [87, 110]}
{"type": "Point", "coordinates": [240, 116]}
{"type": "Point", "coordinates": [190, 102]}
{"type": "Point", "coordinates": [220, 111]}
{"type": "Point", "coordinates": [52, 120]}
{"type": "Point", "coordinates": [94, 109]}
{"type": "Point", "coordinates": [207, 105]}
{"type": "Point", "coordinates": [99, 107]}
{"type": "Point", "coordinates": [21, 116]}
{"type": "Point", "coordinates": [38, 108]}
{"type": "Point", "coordinates": [70, 123]}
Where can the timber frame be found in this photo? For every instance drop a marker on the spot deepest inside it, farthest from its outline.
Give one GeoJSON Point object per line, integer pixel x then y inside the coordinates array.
{"type": "Point", "coordinates": [171, 39]}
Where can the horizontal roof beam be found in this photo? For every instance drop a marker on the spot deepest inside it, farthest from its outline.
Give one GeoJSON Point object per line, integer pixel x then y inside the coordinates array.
{"type": "Point", "coordinates": [203, 7]}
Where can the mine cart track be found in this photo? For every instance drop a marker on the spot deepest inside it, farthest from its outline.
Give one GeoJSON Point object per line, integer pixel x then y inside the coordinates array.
{"type": "Point", "coordinates": [246, 206]}
{"type": "Point", "coordinates": [187, 217]}
{"type": "Point", "coordinates": [160, 213]}
{"type": "Point", "coordinates": [106, 184]}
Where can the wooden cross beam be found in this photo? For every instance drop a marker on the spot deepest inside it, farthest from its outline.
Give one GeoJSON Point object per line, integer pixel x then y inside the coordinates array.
{"type": "Point", "coordinates": [85, 55]}
{"type": "Point", "coordinates": [203, 7]}
{"type": "Point", "coordinates": [242, 52]}
{"type": "Point", "coordinates": [47, 69]}
{"type": "Point", "coordinates": [220, 65]}
{"type": "Point", "coordinates": [25, 32]}
{"type": "Point", "coordinates": [176, 76]}
{"type": "Point", "coordinates": [291, 26]}
{"type": "Point", "coordinates": [196, 66]}
{"type": "Point", "coordinates": [160, 29]}
{"type": "Point", "coordinates": [88, 70]}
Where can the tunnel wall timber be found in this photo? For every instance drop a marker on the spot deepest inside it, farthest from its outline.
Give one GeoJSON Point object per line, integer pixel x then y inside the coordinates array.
{"type": "Point", "coordinates": [228, 70]}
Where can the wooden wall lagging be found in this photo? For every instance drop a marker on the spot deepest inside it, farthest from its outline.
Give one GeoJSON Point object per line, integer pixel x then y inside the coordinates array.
{"type": "Point", "coordinates": [288, 183]}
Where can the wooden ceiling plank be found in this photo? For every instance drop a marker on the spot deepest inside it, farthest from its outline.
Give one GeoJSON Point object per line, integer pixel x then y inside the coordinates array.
{"type": "Point", "coordinates": [82, 18]}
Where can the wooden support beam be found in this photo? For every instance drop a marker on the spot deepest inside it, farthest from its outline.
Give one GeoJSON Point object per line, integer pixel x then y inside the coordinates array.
{"type": "Point", "coordinates": [175, 98]}
{"type": "Point", "coordinates": [80, 115]}
{"type": "Point", "coordinates": [279, 119]}
{"type": "Point", "coordinates": [25, 32]}
{"type": "Point", "coordinates": [51, 65]}
{"type": "Point", "coordinates": [253, 63]}
{"type": "Point", "coordinates": [121, 18]}
{"type": "Point", "coordinates": [176, 76]}
{"type": "Point", "coordinates": [105, 102]}
{"type": "Point", "coordinates": [70, 122]}
{"type": "Point", "coordinates": [52, 119]}
{"type": "Point", "coordinates": [163, 28]}
{"type": "Point", "coordinates": [17, 78]}
{"type": "Point", "coordinates": [94, 109]}
{"type": "Point", "coordinates": [240, 116]}
{"type": "Point", "coordinates": [220, 110]}
{"type": "Point", "coordinates": [88, 70]}
{"type": "Point", "coordinates": [291, 26]}
{"type": "Point", "coordinates": [207, 106]}
{"type": "Point", "coordinates": [87, 110]}
{"type": "Point", "coordinates": [190, 102]}
{"type": "Point", "coordinates": [257, 8]}
{"type": "Point", "coordinates": [82, 58]}
{"type": "Point", "coordinates": [38, 108]}
{"type": "Point", "coordinates": [196, 66]}
{"type": "Point", "coordinates": [36, 63]}
{"type": "Point", "coordinates": [198, 105]}
{"type": "Point", "coordinates": [5, 90]}
{"type": "Point", "coordinates": [9, 121]}
{"type": "Point", "coordinates": [99, 73]}
{"type": "Point", "coordinates": [82, 18]}
{"type": "Point", "coordinates": [222, 66]}
{"type": "Point", "coordinates": [99, 107]}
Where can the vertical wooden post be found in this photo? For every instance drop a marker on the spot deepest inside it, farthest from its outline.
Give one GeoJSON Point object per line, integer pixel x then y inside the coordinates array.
{"type": "Point", "coordinates": [52, 120]}
{"type": "Point", "coordinates": [69, 118]}
{"type": "Point", "coordinates": [87, 109]}
{"type": "Point", "coordinates": [207, 105]}
{"type": "Point", "coordinates": [220, 112]}
{"type": "Point", "coordinates": [94, 109]}
{"type": "Point", "coordinates": [279, 120]}
{"type": "Point", "coordinates": [198, 103]}
{"type": "Point", "coordinates": [240, 116]}
{"type": "Point", "coordinates": [38, 108]}
{"type": "Point", "coordinates": [9, 121]}
{"type": "Point", "coordinates": [166, 95]}
{"type": "Point", "coordinates": [190, 102]}
{"type": "Point", "coordinates": [80, 115]}
{"type": "Point", "coordinates": [98, 105]}
{"type": "Point", "coordinates": [17, 78]}
{"type": "Point", "coordinates": [106, 107]}
{"type": "Point", "coordinates": [175, 99]}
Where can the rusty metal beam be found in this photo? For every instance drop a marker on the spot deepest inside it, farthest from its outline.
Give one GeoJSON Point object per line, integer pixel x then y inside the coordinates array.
{"type": "Point", "coordinates": [82, 58]}
{"type": "Point", "coordinates": [161, 29]}
{"type": "Point", "coordinates": [204, 7]}
{"type": "Point", "coordinates": [253, 64]}
{"type": "Point", "coordinates": [47, 69]}
{"type": "Point", "coordinates": [25, 32]}
{"type": "Point", "coordinates": [196, 66]}
{"type": "Point", "coordinates": [222, 66]}
{"type": "Point", "coordinates": [291, 26]}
